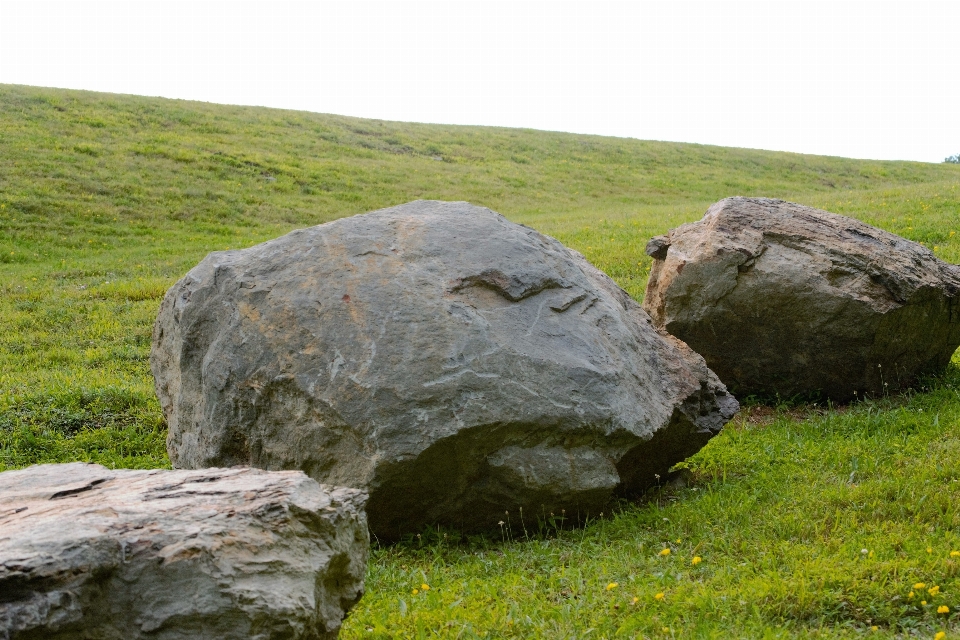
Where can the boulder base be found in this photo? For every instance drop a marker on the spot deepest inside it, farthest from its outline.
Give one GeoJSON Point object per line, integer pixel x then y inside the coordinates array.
{"type": "Point", "coordinates": [86, 552]}
{"type": "Point", "coordinates": [452, 363]}
{"type": "Point", "coordinates": [785, 299]}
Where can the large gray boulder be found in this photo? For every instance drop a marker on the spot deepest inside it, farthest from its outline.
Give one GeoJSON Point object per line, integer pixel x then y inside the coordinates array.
{"type": "Point", "coordinates": [454, 364]}
{"type": "Point", "coordinates": [86, 552]}
{"type": "Point", "coordinates": [786, 299]}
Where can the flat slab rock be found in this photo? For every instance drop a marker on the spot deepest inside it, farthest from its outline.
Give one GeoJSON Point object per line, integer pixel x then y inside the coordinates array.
{"type": "Point", "coordinates": [86, 552]}
{"type": "Point", "coordinates": [454, 364]}
{"type": "Point", "coordinates": [785, 299]}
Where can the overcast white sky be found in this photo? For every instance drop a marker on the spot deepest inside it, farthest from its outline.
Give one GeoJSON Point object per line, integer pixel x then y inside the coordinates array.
{"type": "Point", "coordinates": [876, 79]}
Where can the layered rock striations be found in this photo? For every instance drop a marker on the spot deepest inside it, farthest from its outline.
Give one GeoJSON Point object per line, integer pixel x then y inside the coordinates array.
{"type": "Point", "coordinates": [89, 552]}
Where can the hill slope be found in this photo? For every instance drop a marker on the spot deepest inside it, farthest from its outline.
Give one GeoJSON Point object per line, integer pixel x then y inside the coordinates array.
{"type": "Point", "coordinates": [105, 200]}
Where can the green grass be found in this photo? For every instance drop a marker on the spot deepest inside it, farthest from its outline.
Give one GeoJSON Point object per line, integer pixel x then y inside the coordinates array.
{"type": "Point", "coordinates": [779, 509]}
{"type": "Point", "coordinates": [106, 200]}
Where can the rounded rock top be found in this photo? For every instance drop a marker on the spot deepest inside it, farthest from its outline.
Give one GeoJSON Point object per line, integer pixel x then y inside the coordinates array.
{"type": "Point", "coordinates": [452, 363]}
{"type": "Point", "coordinates": [784, 299]}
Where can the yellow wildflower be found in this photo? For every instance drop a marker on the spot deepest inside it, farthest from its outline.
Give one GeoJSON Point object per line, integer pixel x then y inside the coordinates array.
{"type": "Point", "coordinates": [659, 596]}
{"type": "Point", "coordinates": [940, 635]}
{"type": "Point", "coordinates": [955, 554]}
{"type": "Point", "coordinates": [911, 594]}
{"type": "Point", "coordinates": [635, 600]}
{"type": "Point", "coordinates": [612, 586]}
{"type": "Point", "coordinates": [665, 552]}
{"type": "Point", "coordinates": [415, 591]}
{"type": "Point", "coordinates": [920, 585]}
{"type": "Point", "coordinates": [425, 587]}
{"type": "Point", "coordinates": [923, 603]}
{"type": "Point", "coordinates": [934, 590]}
{"type": "Point", "coordinates": [943, 609]}
{"type": "Point", "coordinates": [696, 560]}
{"type": "Point", "coordinates": [874, 628]}
{"type": "Point", "coordinates": [929, 549]}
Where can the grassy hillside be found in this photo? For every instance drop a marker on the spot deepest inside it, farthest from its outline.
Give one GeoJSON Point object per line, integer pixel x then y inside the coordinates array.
{"type": "Point", "coordinates": [106, 200]}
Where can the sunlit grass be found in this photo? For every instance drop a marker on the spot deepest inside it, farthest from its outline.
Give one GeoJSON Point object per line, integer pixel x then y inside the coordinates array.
{"type": "Point", "coordinates": [817, 522]}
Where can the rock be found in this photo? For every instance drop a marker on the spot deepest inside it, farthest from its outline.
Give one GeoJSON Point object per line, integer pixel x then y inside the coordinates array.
{"type": "Point", "coordinates": [785, 299]}
{"type": "Point", "coordinates": [86, 552]}
{"type": "Point", "coordinates": [452, 363]}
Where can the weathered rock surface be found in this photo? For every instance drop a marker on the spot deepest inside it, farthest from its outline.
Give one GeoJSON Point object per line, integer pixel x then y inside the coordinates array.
{"type": "Point", "coordinates": [86, 552]}
{"type": "Point", "coordinates": [453, 363]}
{"type": "Point", "coordinates": [786, 299]}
